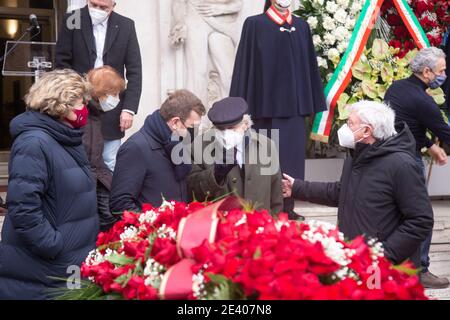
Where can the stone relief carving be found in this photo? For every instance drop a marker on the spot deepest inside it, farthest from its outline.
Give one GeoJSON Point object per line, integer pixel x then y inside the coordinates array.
{"type": "Point", "coordinates": [205, 34]}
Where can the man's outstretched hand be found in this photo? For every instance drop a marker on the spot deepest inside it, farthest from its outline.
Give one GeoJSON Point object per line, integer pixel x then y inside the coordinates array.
{"type": "Point", "coordinates": [287, 184]}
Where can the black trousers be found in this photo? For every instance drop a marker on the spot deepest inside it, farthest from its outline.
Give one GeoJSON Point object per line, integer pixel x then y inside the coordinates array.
{"type": "Point", "coordinates": [106, 218]}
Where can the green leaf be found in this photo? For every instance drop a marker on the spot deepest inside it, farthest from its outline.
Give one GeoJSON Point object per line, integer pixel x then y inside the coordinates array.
{"type": "Point", "coordinates": [407, 270]}
{"type": "Point", "coordinates": [257, 253]}
{"type": "Point", "coordinates": [222, 288]}
{"type": "Point", "coordinates": [119, 260]}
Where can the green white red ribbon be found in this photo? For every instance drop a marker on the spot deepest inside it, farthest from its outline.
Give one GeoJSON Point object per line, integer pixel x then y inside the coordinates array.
{"type": "Point", "coordinates": [343, 74]}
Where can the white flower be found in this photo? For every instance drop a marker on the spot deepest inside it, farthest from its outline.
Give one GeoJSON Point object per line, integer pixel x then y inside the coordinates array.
{"type": "Point", "coordinates": [350, 23]}
{"type": "Point", "coordinates": [167, 204]}
{"type": "Point", "coordinates": [317, 40]}
{"type": "Point", "coordinates": [149, 217]}
{"type": "Point", "coordinates": [328, 23]}
{"type": "Point", "coordinates": [154, 273]}
{"type": "Point", "coordinates": [166, 232]}
{"type": "Point", "coordinates": [95, 257]}
{"type": "Point", "coordinates": [333, 54]}
{"type": "Point", "coordinates": [129, 234]}
{"type": "Point", "coordinates": [317, 3]}
{"type": "Point", "coordinates": [343, 3]}
{"type": "Point", "coordinates": [329, 76]}
{"type": "Point", "coordinates": [341, 47]}
{"type": "Point", "coordinates": [331, 7]}
{"type": "Point", "coordinates": [356, 7]}
{"type": "Point", "coordinates": [198, 284]}
{"type": "Point", "coordinates": [340, 16]}
{"type": "Point", "coordinates": [242, 220]}
{"type": "Point", "coordinates": [312, 21]}
{"type": "Point", "coordinates": [329, 39]}
{"type": "Point", "coordinates": [322, 62]}
{"type": "Point", "coordinates": [340, 33]}
{"type": "Point", "coordinates": [334, 249]}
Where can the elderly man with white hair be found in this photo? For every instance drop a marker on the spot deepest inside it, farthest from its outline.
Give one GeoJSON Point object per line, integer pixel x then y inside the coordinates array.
{"type": "Point", "coordinates": [382, 191]}
{"type": "Point", "coordinates": [233, 158]}
{"type": "Point", "coordinates": [413, 105]}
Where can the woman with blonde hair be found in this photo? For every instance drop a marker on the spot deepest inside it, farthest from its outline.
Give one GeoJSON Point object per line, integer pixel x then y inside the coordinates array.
{"type": "Point", "coordinates": [107, 85]}
{"type": "Point", "coordinates": [52, 220]}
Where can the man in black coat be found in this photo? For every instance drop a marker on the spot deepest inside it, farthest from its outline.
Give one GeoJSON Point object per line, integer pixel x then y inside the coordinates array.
{"type": "Point", "coordinates": [96, 36]}
{"type": "Point", "coordinates": [382, 190]}
{"type": "Point", "coordinates": [147, 169]}
{"type": "Point", "coordinates": [447, 52]}
{"type": "Point", "coordinates": [415, 107]}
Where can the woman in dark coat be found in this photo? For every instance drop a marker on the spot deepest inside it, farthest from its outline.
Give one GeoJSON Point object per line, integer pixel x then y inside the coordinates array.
{"type": "Point", "coordinates": [107, 85]}
{"type": "Point", "coordinates": [52, 220]}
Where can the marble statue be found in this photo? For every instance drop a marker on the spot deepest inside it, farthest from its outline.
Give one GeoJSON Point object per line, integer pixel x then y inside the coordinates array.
{"type": "Point", "coordinates": [206, 34]}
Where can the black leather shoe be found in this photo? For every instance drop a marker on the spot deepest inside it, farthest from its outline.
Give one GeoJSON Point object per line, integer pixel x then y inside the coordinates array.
{"type": "Point", "coordinates": [292, 215]}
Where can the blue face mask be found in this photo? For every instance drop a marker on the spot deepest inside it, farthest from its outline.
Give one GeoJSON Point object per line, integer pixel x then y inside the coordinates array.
{"type": "Point", "coordinates": [437, 81]}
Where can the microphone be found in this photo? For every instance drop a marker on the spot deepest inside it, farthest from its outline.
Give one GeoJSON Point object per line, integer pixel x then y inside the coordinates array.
{"type": "Point", "coordinates": [34, 22]}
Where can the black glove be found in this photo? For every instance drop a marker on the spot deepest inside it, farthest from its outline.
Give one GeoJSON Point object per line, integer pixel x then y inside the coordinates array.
{"type": "Point", "coordinates": [221, 170]}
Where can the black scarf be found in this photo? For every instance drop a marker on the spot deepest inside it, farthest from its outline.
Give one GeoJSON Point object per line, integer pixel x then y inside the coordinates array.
{"type": "Point", "coordinates": [158, 129]}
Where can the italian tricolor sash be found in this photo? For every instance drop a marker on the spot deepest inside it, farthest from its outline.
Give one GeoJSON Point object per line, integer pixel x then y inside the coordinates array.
{"type": "Point", "coordinates": [343, 73]}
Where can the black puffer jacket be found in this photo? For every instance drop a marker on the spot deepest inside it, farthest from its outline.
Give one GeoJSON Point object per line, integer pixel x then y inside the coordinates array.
{"type": "Point", "coordinates": [52, 220]}
{"type": "Point", "coordinates": [381, 194]}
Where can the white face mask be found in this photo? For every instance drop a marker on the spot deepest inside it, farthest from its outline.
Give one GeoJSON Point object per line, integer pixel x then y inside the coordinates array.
{"type": "Point", "coordinates": [230, 138]}
{"type": "Point", "coordinates": [284, 3]}
{"type": "Point", "coordinates": [97, 15]}
{"type": "Point", "coordinates": [347, 138]}
{"type": "Point", "coordinates": [110, 103]}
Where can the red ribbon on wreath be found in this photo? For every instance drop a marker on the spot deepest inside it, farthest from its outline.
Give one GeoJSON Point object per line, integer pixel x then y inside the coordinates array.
{"type": "Point", "coordinates": [193, 230]}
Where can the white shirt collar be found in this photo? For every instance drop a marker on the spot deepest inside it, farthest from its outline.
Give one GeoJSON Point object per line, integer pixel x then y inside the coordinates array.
{"type": "Point", "coordinates": [104, 23]}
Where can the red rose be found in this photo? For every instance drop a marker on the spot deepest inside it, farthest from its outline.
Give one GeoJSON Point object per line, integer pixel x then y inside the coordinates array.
{"type": "Point", "coordinates": [395, 44]}
{"type": "Point", "coordinates": [147, 207]}
{"type": "Point", "coordinates": [394, 20]}
{"type": "Point", "coordinates": [165, 252]}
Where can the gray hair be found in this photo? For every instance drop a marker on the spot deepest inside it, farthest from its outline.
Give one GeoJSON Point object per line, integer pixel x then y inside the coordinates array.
{"type": "Point", "coordinates": [378, 115]}
{"type": "Point", "coordinates": [426, 58]}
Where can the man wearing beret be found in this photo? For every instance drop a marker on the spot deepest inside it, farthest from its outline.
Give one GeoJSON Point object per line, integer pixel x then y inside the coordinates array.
{"type": "Point", "coordinates": [233, 158]}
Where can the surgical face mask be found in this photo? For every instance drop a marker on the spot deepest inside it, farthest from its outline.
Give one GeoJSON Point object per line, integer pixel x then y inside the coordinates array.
{"type": "Point", "coordinates": [347, 138]}
{"type": "Point", "coordinates": [110, 103]}
{"type": "Point", "coordinates": [97, 15]}
{"type": "Point", "coordinates": [438, 81]}
{"type": "Point", "coordinates": [230, 138]}
{"type": "Point", "coordinates": [284, 3]}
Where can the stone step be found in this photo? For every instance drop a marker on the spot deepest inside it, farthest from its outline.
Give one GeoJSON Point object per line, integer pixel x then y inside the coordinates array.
{"type": "Point", "coordinates": [441, 294]}
{"type": "Point", "coordinates": [441, 209]}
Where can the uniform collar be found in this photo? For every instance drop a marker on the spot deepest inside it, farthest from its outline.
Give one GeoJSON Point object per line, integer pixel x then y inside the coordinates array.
{"type": "Point", "coordinates": [416, 80]}
{"type": "Point", "coordinates": [278, 17]}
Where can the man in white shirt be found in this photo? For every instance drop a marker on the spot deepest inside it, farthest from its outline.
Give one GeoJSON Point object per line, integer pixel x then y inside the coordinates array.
{"type": "Point", "coordinates": [105, 38]}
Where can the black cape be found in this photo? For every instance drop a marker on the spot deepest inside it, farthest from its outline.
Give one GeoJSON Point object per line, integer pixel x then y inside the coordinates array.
{"type": "Point", "coordinates": [447, 86]}
{"type": "Point", "coordinates": [277, 72]}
